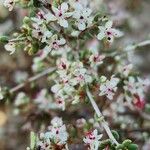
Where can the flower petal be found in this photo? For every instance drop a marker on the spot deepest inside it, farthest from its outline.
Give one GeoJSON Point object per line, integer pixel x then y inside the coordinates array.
{"type": "Point", "coordinates": [63, 23]}
{"type": "Point", "coordinates": [108, 24]}
{"type": "Point", "coordinates": [64, 7]}
{"type": "Point", "coordinates": [81, 26]}
{"type": "Point", "coordinates": [101, 35]}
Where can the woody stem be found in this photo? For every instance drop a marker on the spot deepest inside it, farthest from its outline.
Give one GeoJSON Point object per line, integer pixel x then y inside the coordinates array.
{"type": "Point", "coordinates": [99, 114]}
{"type": "Point", "coordinates": [31, 79]}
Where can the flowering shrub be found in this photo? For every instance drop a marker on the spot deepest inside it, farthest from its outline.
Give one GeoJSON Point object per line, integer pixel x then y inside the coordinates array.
{"type": "Point", "coordinates": [73, 44]}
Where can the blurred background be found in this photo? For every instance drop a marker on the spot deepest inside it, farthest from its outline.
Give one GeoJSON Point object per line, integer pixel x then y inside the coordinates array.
{"type": "Point", "coordinates": [132, 15]}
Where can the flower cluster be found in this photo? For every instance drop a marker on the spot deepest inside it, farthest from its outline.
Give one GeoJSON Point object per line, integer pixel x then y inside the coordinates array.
{"type": "Point", "coordinates": [73, 38]}
{"type": "Point", "coordinates": [109, 87]}
{"type": "Point", "coordinates": [135, 89]}
{"type": "Point", "coordinates": [92, 139]}
{"type": "Point", "coordinates": [108, 32]}
{"type": "Point", "coordinates": [72, 77]}
{"type": "Point", "coordinates": [55, 137]}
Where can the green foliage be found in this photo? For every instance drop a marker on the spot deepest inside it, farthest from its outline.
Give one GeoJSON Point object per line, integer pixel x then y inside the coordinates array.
{"type": "Point", "coordinates": [127, 145]}
{"type": "Point", "coordinates": [115, 134]}
{"type": "Point", "coordinates": [4, 39]}
{"type": "Point", "coordinates": [33, 140]}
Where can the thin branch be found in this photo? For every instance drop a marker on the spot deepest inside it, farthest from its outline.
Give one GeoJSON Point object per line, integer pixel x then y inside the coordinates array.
{"type": "Point", "coordinates": [31, 79]}
{"type": "Point", "coordinates": [134, 46]}
{"type": "Point", "coordinates": [99, 114]}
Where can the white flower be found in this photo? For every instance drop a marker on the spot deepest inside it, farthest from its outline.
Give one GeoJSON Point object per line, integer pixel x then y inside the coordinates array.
{"type": "Point", "coordinates": [41, 33]}
{"type": "Point", "coordinates": [10, 47]}
{"type": "Point", "coordinates": [93, 139]}
{"type": "Point", "coordinates": [96, 59]}
{"type": "Point", "coordinates": [57, 132]}
{"type": "Point", "coordinates": [1, 94]}
{"type": "Point", "coordinates": [56, 122]}
{"type": "Point", "coordinates": [40, 18]}
{"type": "Point", "coordinates": [137, 87]}
{"type": "Point", "coordinates": [9, 4]}
{"type": "Point", "coordinates": [109, 87]}
{"type": "Point", "coordinates": [63, 64]}
{"type": "Point", "coordinates": [54, 43]}
{"type": "Point", "coordinates": [62, 89]}
{"type": "Point", "coordinates": [80, 75]}
{"type": "Point", "coordinates": [21, 99]}
{"type": "Point", "coordinates": [60, 15]}
{"type": "Point", "coordinates": [60, 103]}
{"type": "Point", "coordinates": [108, 32]}
{"type": "Point", "coordinates": [83, 18]}
{"type": "Point", "coordinates": [126, 70]}
{"type": "Point", "coordinates": [78, 4]}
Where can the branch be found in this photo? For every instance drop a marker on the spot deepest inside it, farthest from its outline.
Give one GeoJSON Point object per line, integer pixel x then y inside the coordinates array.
{"type": "Point", "coordinates": [99, 114]}
{"type": "Point", "coordinates": [134, 46]}
{"type": "Point", "coordinates": [31, 79]}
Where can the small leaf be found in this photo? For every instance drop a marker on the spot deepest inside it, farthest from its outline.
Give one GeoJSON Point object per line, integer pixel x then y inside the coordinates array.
{"type": "Point", "coordinates": [133, 147]}
{"type": "Point", "coordinates": [104, 144]}
{"type": "Point", "coordinates": [115, 134]}
{"type": "Point", "coordinates": [97, 16]}
{"type": "Point", "coordinates": [127, 142]}
{"type": "Point", "coordinates": [32, 140]}
{"type": "Point", "coordinates": [4, 39]}
{"type": "Point", "coordinates": [26, 20]}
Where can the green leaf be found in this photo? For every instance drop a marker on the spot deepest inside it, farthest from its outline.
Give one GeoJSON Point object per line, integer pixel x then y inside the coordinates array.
{"type": "Point", "coordinates": [36, 3]}
{"type": "Point", "coordinates": [127, 142]}
{"type": "Point", "coordinates": [34, 49]}
{"type": "Point", "coordinates": [26, 20]}
{"type": "Point", "coordinates": [97, 16]}
{"type": "Point", "coordinates": [115, 134]}
{"type": "Point", "coordinates": [133, 147]}
{"type": "Point", "coordinates": [104, 144]}
{"type": "Point", "coordinates": [32, 140]}
{"type": "Point", "coordinates": [120, 147]}
{"type": "Point", "coordinates": [4, 39]}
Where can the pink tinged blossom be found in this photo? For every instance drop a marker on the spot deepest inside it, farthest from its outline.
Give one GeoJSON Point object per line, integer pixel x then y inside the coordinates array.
{"type": "Point", "coordinates": [109, 87]}
{"type": "Point", "coordinates": [41, 33]}
{"type": "Point", "coordinates": [108, 32]}
{"type": "Point", "coordinates": [63, 64]}
{"type": "Point", "coordinates": [54, 43]}
{"type": "Point", "coordinates": [139, 102]}
{"type": "Point", "coordinates": [60, 102]}
{"type": "Point", "coordinates": [96, 59]}
{"type": "Point", "coordinates": [40, 18]}
{"type": "Point", "coordinates": [60, 15]}
{"type": "Point", "coordinates": [92, 139]}
{"type": "Point", "coordinates": [57, 131]}
{"type": "Point", "coordinates": [83, 18]}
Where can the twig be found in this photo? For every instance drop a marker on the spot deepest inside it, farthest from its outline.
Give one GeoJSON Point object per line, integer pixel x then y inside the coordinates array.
{"type": "Point", "coordinates": [134, 46]}
{"type": "Point", "coordinates": [99, 114]}
{"type": "Point", "coordinates": [31, 79]}
{"type": "Point", "coordinates": [17, 39]}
